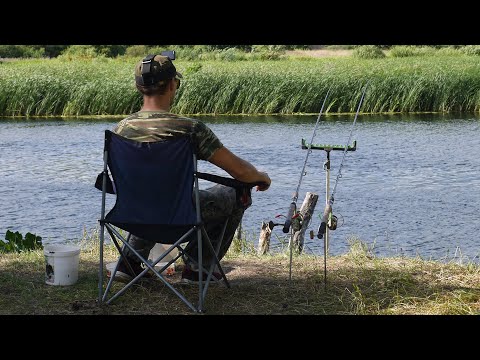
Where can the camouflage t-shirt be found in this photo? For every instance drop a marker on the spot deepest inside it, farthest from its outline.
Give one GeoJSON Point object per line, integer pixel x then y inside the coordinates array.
{"type": "Point", "coordinates": [149, 126]}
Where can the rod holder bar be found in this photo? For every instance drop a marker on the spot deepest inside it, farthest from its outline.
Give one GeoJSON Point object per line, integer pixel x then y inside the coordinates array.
{"type": "Point", "coordinates": [328, 147]}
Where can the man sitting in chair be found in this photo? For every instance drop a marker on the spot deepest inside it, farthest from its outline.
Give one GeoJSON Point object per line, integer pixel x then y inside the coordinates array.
{"type": "Point", "coordinates": [157, 80]}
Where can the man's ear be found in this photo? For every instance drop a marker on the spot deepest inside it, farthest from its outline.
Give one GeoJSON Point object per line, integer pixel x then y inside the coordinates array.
{"type": "Point", "coordinates": [171, 84]}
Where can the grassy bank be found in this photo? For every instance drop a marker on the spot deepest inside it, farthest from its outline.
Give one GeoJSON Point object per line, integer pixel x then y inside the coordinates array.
{"type": "Point", "coordinates": [104, 86]}
{"type": "Point", "coordinates": [357, 283]}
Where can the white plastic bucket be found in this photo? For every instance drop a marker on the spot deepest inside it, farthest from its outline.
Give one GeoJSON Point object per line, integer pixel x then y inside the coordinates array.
{"type": "Point", "coordinates": [61, 264]}
{"type": "Point", "coordinates": [158, 250]}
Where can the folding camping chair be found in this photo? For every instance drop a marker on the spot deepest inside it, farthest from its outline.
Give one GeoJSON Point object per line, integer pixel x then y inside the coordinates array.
{"type": "Point", "coordinates": [155, 184]}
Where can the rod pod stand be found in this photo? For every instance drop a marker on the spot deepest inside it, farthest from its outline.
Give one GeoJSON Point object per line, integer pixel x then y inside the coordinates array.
{"type": "Point", "coordinates": [323, 228]}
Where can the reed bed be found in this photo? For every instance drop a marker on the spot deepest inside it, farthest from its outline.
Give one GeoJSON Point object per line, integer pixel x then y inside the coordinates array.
{"type": "Point", "coordinates": [106, 87]}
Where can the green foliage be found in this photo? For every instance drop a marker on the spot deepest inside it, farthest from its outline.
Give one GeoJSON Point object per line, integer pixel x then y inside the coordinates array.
{"type": "Point", "coordinates": [368, 52]}
{"type": "Point", "coordinates": [360, 249]}
{"type": "Point", "coordinates": [21, 51]}
{"type": "Point", "coordinates": [137, 51]}
{"type": "Point", "coordinates": [75, 52]}
{"type": "Point", "coordinates": [404, 51]}
{"type": "Point", "coordinates": [471, 50]}
{"type": "Point", "coordinates": [410, 50]}
{"type": "Point", "coordinates": [104, 86]}
{"type": "Point", "coordinates": [184, 52]}
{"type": "Point", "coordinates": [230, 54]}
{"type": "Point", "coordinates": [216, 52]}
{"type": "Point", "coordinates": [111, 50]}
{"type": "Point", "coordinates": [16, 243]}
{"type": "Point", "coordinates": [268, 52]}
{"type": "Point", "coordinates": [192, 69]}
{"type": "Point", "coordinates": [192, 53]}
{"type": "Point", "coordinates": [241, 246]}
{"type": "Point", "coordinates": [448, 51]}
{"type": "Point", "coordinates": [339, 47]}
{"type": "Point", "coordinates": [53, 51]}
{"type": "Point", "coordinates": [209, 52]}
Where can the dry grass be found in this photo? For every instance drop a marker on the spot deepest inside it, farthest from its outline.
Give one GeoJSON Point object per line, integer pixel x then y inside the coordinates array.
{"type": "Point", "coordinates": [357, 283]}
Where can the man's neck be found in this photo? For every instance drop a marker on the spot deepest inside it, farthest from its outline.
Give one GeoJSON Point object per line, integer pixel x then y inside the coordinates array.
{"type": "Point", "coordinates": [155, 104]}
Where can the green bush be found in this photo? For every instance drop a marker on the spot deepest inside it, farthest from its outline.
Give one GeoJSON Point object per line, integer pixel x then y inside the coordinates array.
{"type": "Point", "coordinates": [21, 51]}
{"type": "Point", "coordinates": [215, 52]}
{"type": "Point", "coordinates": [16, 242]}
{"type": "Point", "coordinates": [53, 51]}
{"type": "Point", "coordinates": [339, 47]}
{"type": "Point", "coordinates": [111, 50]}
{"type": "Point", "coordinates": [194, 53]}
{"type": "Point", "coordinates": [267, 52]}
{"type": "Point", "coordinates": [206, 52]}
{"type": "Point", "coordinates": [470, 50]}
{"type": "Point", "coordinates": [192, 69]}
{"type": "Point", "coordinates": [410, 50]}
{"type": "Point", "coordinates": [403, 51]}
{"type": "Point", "coordinates": [79, 52]}
{"type": "Point", "coordinates": [448, 51]}
{"type": "Point", "coordinates": [136, 51]}
{"type": "Point", "coordinates": [230, 54]}
{"type": "Point", "coordinates": [368, 52]}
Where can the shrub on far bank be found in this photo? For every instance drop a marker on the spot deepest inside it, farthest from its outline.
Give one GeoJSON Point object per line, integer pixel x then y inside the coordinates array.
{"type": "Point", "coordinates": [368, 52]}
{"type": "Point", "coordinates": [470, 50]}
{"type": "Point", "coordinates": [210, 52]}
{"type": "Point", "coordinates": [21, 51]}
{"type": "Point", "coordinates": [136, 51]}
{"type": "Point", "coordinates": [408, 50]}
{"type": "Point", "coordinates": [339, 47]}
{"type": "Point", "coordinates": [79, 51]}
{"type": "Point", "coordinates": [454, 50]}
{"type": "Point", "coordinates": [92, 51]}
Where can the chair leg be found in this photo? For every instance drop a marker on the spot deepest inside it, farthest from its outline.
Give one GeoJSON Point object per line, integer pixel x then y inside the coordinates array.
{"type": "Point", "coordinates": [215, 258]}
{"type": "Point", "coordinates": [100, 270]}
{"type": "Point", "coordinates": [115, 234]}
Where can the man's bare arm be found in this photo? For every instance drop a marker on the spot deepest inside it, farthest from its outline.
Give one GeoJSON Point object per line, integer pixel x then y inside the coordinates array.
{"type": "Point", "coordinates": [238, 168]}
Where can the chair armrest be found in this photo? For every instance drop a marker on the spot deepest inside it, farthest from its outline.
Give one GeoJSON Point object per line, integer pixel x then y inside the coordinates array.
{"type": "Point", "coordinates": [231, 182]}
{"type": "Point", "coordinates": [110, 187]}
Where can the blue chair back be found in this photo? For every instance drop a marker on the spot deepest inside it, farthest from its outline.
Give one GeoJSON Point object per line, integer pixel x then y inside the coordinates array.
{"type": "Point", "coordinates": [154, 185]}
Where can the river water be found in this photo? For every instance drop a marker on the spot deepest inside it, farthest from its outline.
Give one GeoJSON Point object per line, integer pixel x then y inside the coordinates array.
{"type": "Point", "coordinates": [412, 188]}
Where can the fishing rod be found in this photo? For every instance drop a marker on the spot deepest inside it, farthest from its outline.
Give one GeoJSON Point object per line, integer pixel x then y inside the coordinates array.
{"type": "Point", "coordinates": [292, 211]}
{"type": "Point", "coordinates": [293, 205]}
{"type": "Point", "coordinates": [328, 217]}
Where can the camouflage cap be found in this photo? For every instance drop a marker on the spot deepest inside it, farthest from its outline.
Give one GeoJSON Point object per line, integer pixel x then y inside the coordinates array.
{"type": "Point", "coordinates": [154, 69]}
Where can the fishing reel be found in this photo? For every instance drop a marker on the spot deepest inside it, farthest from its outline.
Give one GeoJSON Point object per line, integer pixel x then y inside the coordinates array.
{"type": "Point", "coordinates": [332, 224]}
{"type": "Point", "coordinates": [295, 222]}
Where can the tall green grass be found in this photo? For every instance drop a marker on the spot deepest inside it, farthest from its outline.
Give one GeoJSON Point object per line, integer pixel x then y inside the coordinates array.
{"type": "Point", "coordinates": [105, 86]}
